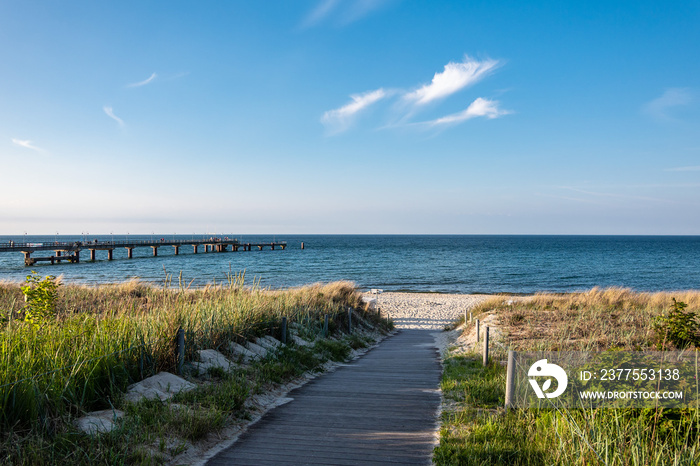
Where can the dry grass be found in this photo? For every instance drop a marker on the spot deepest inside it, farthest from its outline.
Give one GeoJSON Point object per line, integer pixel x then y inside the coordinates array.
{"type": "Point", "coordinates": [594, 320]}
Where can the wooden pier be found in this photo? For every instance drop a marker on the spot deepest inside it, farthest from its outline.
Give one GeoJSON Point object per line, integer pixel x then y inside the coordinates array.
{"type": "Point", "coordinates": [70, 251]}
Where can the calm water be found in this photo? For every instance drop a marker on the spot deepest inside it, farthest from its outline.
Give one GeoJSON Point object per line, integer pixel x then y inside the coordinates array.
{"type": "Point", "coordinates": [456, 264]}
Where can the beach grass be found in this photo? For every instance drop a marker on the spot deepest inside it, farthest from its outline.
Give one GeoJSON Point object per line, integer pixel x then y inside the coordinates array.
{"type": "Point", "coordinates": [476, 430]}
{"type": "Point", "coordinates": [101, 339]}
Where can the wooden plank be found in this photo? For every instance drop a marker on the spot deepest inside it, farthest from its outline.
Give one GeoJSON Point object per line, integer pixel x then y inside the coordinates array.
{"type": "Point", "coordinates": [380, 409]}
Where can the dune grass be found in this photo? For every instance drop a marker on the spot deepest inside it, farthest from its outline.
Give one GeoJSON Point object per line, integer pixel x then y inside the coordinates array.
{"type": "Point", "coordinates": [477, 431]}
{"type": "Point", "coordinates": [104, 338]}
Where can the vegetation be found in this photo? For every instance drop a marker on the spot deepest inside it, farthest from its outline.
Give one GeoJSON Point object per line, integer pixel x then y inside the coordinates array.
{"type": "Point", "coordinates": [477, 431]}
{"type": "Point", "coordinates": [72, 349]}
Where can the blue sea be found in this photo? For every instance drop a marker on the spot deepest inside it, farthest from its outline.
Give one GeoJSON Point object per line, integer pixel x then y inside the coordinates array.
{"type": "Point", "coordinates": [418, 263]}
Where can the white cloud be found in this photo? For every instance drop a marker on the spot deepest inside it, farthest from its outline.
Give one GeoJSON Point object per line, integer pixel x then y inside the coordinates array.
{"type": "Point", "coordinates": [28, 145]}
{"type": "Point", "coordinates": [479, 108]}
{"type": "Point", "coordinates": [110, 113]}
{"type": "Point", "coordinates": [455, 77]}
{"type": "Point", "coordinates": [341, 118]}
{"type": "Point", "coordinates": [322, 10]}
{"type": "Point", "coordinates": [361, 8]}
{"type": "Point", "coordinates": [684, 169]}
{"type": "Point", "coordinates": [671, 98]}
{"type": "Point", "coordinates": [144, 82]}
{"type": "Point", "coordinates": [344, 12]}
{"type": "Point", "coordinates": [452, 79]}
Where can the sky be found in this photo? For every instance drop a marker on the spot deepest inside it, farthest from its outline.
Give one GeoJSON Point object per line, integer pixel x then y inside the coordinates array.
{"type": "Point", "coordinates": [350, 116]}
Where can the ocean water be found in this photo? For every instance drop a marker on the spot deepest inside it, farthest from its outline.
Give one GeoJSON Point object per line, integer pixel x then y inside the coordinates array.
{"type": "Point", "coordinates": [425, 263]}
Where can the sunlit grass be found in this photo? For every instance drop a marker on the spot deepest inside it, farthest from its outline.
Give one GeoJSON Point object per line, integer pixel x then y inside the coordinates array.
{"type": "Point", "coordinates": [476, 430]}
{"type": "Point", "coordinates": [104, 338]}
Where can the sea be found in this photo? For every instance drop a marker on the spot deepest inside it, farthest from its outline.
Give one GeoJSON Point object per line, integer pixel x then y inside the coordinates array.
{"type": "Point", "coordinates": [488, 264]}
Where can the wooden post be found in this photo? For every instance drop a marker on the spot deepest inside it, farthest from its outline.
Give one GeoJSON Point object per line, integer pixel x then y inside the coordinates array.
{"type": "Point", "coordinates": [180, 350]}
{"type": "Point", "coordinates": [486, 346]}
{"type": "Point", "coordinates": [325, 326]}
{"type": "Point", "coordinates": [349, 320]}
{"type": "Point", "coordinates": [470, 317]}
{"type": "Point", "coordinates": [477, 329]}
{"type": "Point", "coordinates": [510, 379]}
{"type": "Point", "coordinates": [284, 330]}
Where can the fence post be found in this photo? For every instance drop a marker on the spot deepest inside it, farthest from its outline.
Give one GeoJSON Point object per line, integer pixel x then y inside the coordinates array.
{"type": "Point", "coordinates": [325, 326]}
{"type": "Point", "coordinates": [284, 330]}
{"type": "Point", "coordinates": [486, 346]}
{"type": "Point", "coordinates": [349, 320]}
{"type": "Point", "coordinates": [510, 379]}
{"type": "Point", "coordinates": [180, 349]}
{"type": "Point", "coordinates": [477, 330]}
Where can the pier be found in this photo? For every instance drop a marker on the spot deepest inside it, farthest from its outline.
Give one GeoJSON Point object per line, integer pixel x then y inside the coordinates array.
{"type": "Point", "coordinates": [70, 251]}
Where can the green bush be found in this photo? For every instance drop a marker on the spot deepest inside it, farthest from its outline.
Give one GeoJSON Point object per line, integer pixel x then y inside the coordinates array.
{"type": "Point", "coordinates": [679, 327]}
{"type": "Point", "coordinates": [40, 295]}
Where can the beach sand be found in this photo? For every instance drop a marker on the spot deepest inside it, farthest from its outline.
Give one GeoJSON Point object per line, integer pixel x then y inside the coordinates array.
{"type": "Point", "coordinates": [428, 311]}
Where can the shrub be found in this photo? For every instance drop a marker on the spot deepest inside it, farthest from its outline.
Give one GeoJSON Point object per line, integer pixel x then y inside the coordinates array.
{"type": "Point", "coordinates": [678, 327]}
{"type": "Point", "coordinates": [40, 296]}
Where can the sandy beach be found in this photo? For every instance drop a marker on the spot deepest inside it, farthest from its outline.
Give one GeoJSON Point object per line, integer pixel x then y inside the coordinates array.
{"type": "Point", "coordinates": [428, 311]}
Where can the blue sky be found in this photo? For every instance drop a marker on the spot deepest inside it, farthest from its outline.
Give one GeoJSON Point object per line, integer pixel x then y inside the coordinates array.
{"type": "Point", "coordinates": [350, 116]}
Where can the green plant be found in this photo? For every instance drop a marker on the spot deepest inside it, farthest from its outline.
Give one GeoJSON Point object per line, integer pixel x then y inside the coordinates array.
{"type": "Point", "coordinates": [40, 295]}
{"type": "Point", "coordinates": [679, 327]}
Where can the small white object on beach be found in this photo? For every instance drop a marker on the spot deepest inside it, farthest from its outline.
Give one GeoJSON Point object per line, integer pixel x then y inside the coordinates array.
{"type": "Point", "coordinates": [371, 302]}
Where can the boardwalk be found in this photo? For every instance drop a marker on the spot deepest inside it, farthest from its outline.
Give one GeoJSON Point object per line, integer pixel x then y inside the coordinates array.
{"type": "Point", "coordinates": [380, 409]}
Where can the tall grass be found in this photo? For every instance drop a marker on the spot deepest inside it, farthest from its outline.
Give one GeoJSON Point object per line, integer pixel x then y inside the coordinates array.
{"type": "Point", "coordinates": [104, 338]}
{"type": "Point", "coordinates": [473, 432]}
{"type": "Point", "coordinates": [595, 320]}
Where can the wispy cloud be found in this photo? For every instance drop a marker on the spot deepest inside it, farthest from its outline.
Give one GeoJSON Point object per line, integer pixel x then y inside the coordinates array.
{"type": "Point", "coordinates": [28, 145]}
{"type": "Point", "coordinates": [453, 78]}
{"type": "Point", "coordinates": [341, 118]}
{"type": "Point", "coordinates": [695, 168]}
{"type": "Point", "coordinates": [672, 98]}
{"type": "Point", "coordinates": [456, 76]}
{"type": "Point", "coordinates": [148, 80]}
{"type": "Point", "coordinates": [344, 12]}
{"type": "Point", "coordinates": [479, 108]}
{"type": "Point", "coordinates": [322, 10]}
{"type": "Point", "coordinates": [110, 113]}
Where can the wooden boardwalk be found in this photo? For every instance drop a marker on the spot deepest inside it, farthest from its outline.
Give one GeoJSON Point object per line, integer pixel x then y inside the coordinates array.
{"type": "Point", "coordinates": [380, 409]}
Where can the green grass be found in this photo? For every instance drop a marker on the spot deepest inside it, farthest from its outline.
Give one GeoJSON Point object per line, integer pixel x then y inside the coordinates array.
{"type": "Point", "coordinates": [104, 338]}
{"type": "Point", "coordinates": [476, 430]}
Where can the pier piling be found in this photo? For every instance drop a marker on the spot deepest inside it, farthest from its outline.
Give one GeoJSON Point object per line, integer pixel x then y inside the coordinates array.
{"type": "Point", "coordinates": [70, 250]}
